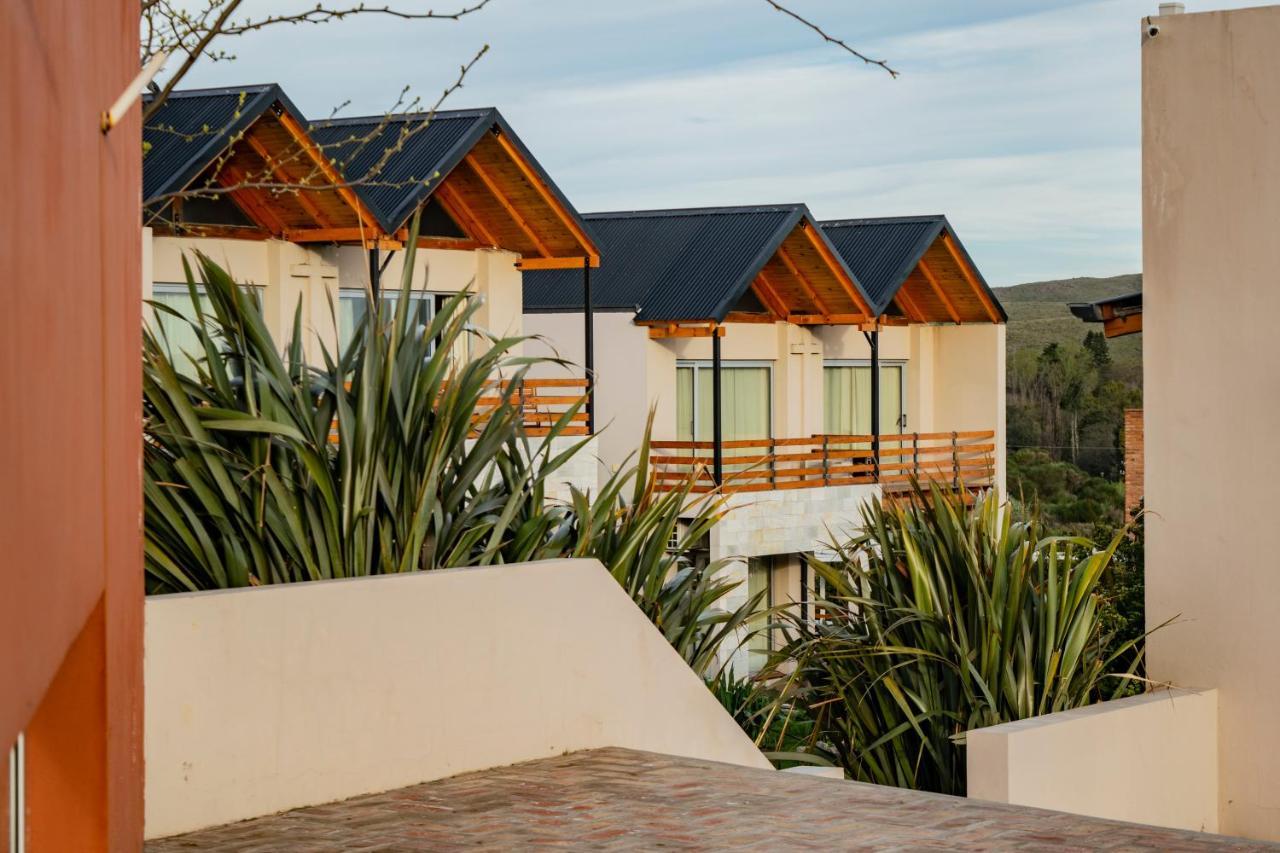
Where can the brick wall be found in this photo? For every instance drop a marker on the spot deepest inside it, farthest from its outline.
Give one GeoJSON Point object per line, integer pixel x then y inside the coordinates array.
{"type": "Point", "coordinates": [1133, 453]}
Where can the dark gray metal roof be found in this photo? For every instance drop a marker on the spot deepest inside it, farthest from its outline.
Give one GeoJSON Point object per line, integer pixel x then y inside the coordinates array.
{"type": "Point", "coordinates": [1094, 312]}
{"type": "Point", "coordinates": [670, 265]}
{"type": "Point", "coordinates": [192, 127]}
{"type": "Point", "coordinates": [883, 252]}
{"type": "Point", "coordinates": [426, 155]}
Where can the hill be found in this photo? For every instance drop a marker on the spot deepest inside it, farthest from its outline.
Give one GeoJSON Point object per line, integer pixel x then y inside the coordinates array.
{"type": "Point", "coordinates": [1038, 315]}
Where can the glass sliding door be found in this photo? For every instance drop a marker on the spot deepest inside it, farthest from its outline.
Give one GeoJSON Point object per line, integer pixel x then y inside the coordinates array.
{"type": "Point", "coordinates": [746, 401]}
{"type": "Point", "coordinates": [847, 398]}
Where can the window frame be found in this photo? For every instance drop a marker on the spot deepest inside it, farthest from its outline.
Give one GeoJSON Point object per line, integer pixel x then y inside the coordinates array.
{"type": "Point", "coordinates": [435, 299]}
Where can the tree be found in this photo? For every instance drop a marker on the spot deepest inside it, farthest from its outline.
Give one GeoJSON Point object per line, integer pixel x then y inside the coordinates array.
{"type": "Point", "coordinates": [1096, 344]}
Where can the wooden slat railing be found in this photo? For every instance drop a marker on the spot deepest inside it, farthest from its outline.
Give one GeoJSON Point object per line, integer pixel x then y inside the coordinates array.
{"type": "Point", "coordinates": [961, 459]}
{"type": "Point", "coordinates": [542, 401]}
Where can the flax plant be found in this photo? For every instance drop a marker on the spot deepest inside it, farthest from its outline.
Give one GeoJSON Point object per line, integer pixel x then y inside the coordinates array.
{"type": "Point", "coordinates": [942, 617]}
{"type": "Point", "coordinates": [262, 468]}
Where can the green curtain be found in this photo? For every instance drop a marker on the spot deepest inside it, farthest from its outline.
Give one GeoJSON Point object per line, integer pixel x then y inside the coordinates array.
{"type": "Point", "coordinates": [847, 399]}
{"type": "Point", "coordinates": [745, 405]}
{"type": "Point", "coordinates": [181, 337]}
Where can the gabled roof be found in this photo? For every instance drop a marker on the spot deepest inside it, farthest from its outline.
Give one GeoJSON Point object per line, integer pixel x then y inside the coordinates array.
{"type": "Point", "coordinates": [915, 266]}
{"type": "Point", "coordinates": [193, 126]}
{"type": "Point", "coordinates": [702, 264]}
{"type": "Point", "coordinates": [232, 142]}
{"type": "Point", "coordinates": [472, 162]}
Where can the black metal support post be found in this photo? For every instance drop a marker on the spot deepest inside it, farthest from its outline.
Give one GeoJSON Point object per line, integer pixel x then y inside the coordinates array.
{"type": "Point", "coordinates": [717, 419]}
{"type": "Point", "coordinates": [873, 340]}
{"type": "Point", "coordinates": [589, 342]}
{"type": "Point", "coordinates": [375, 275]}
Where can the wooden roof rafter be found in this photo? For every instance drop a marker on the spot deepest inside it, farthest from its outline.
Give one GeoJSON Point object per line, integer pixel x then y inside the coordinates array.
{"type": "Point", "coordinates": [845, 282]}
{"type": "Point", "coordinates": [966, 270]}
{"type": "Point", "coordinates": [939, 291]}
{"type": "Point", "coordinates": [805, 285]}
{"type": "Point", "coordinates": [502, 199]}
{"type": "Point", "coordinates": [367, 221]}
{"type": "Point", "coordinates": [456, 206]}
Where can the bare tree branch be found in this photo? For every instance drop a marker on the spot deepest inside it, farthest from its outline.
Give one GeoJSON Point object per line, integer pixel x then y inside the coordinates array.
{"type": "Point", "coordinates": [883, 63]}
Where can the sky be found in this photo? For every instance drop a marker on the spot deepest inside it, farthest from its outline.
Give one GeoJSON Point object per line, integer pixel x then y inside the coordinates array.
{"type": "Point", "coordinates": [1018, 119]}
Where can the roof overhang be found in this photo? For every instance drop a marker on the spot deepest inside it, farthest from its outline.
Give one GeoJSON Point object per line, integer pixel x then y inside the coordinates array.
{"type": "Point", "coordinates": [1119, 315]}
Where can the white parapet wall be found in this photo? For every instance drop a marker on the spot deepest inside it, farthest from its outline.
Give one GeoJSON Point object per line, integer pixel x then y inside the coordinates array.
{"type": "Point", "coordinates": [260, 700]}
{"type": "Point", "coordinates": [1148, 759]}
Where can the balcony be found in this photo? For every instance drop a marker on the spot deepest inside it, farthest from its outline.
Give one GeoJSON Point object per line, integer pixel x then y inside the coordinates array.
{"type": "Point", "coordinates": [959, 459]}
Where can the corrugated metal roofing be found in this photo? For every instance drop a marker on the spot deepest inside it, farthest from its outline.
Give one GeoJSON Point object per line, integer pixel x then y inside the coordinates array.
{"type": "Point", "coordinates": [426, 156]}
{"type": "Point", "coordinates": [883, 252]}
{"type": "Point", "coordinates": [192, 127]}
{"type": "Point", "coordinates": [357, 145]}
{"type": "Point", "coordinates": [1096, 312]}
{"type": "Point", "coordinates": [675, 265]}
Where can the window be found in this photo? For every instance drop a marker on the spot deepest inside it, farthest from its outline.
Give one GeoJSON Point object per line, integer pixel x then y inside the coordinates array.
{"type": "Point", "coordinates": [759, 582]}
{"type": "Point", "coordinates": [745, 405]}
{"type": "Point", "coordinates": [424, 305]}
{"type": "Point", "coordinates": [183, 342]}
{"type": "Point", "coordinates": [847, 398]}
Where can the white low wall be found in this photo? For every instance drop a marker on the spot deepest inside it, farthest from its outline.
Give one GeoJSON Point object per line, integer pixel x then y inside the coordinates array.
{"type": "Point", "coordinates": [259, 700]}
{"type": "Point", "coordinates": [1148, 759]}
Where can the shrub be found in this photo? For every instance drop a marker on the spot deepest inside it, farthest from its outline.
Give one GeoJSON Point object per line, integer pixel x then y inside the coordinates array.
{"type": "Point", "coordinates": [940, 618]}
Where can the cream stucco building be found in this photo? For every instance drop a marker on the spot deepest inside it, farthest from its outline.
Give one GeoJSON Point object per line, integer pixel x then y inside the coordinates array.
{"type": "Point", "coordinates": [792, 314]}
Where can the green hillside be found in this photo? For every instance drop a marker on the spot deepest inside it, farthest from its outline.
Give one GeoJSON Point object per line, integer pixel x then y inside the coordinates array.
{"type": "Point", "coordinates": [1038, 316]}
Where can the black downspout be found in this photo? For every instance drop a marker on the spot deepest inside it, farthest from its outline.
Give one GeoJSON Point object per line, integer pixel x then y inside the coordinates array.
{"type": "Point", "coordinates": [589, 340]}
{"type": "Point", "coordinates": [873, 341]}
{"type": "Point", "coordinates": [717, 420]}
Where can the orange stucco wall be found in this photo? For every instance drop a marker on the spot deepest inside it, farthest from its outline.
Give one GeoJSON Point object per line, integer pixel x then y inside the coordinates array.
{"type": "Point", "coordinates": [70, 494]}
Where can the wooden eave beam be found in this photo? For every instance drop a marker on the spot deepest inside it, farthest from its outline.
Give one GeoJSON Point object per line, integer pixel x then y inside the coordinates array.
{"type": "Point", "coordinates": [836, 269]}
{"type": "Point", "coordinates": [785, 257]}
{"type": "Point", "coordinates": [662, 331]}
{"type": "Point", "coordinates": [967, 272]}
{"type": "Point", "coordinates": [368, 239]}
{"type": "Point", "coordinates": [299, 134]}
{"type": "Point", "coordinates": [492, 186]}
{"type": "Point", "coordinates": [456, 206]}
{"type": "Point", "coordinates": [553, 263]}
{"type": "Point", "coordinates": [749, 317]}
{"type": "Point", "coordinates": [1127, 324]}
{"type": "Point", "coordinates": [939, 292]}
{"type": "Point", "coordinates": [588, 247]}
{"type": "Point", "coordinates": [827, 319]}
{"type": "Point", "coordinates": [278, 172]}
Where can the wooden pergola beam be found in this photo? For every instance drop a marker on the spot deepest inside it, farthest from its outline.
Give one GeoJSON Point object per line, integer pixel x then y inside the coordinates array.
{"type": "Point", "coordinates": [659, 330]}
{"type": "Point", "coordinates": [972, 279]}
{"type": "Point", "coordinates": [364, 236]}
{"type": "Point", "coordinates": [553, 263]}
{"type": "Point", "coordinates": [278, 172]}
{"type": "Point", "coordinates": [785, 257]}
{"type": "Point", "coordinates": [501, 197]}
{"type": "Point", "coordinates": [939, 292]}
{"type": "Point", "coordinates": [827, 319]}
{"type": "Point", "coordinates": [588, 247]}
{"type": "Point", "coordinates": [836, 267]}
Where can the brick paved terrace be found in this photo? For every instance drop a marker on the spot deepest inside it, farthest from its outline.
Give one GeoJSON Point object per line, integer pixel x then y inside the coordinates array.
{"type": "Point", "coordinates": [619, 799]}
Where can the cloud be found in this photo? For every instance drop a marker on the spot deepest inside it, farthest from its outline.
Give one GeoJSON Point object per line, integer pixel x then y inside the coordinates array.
{"type": "Point", "coordinates": [1017, 118]}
